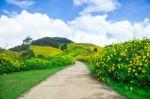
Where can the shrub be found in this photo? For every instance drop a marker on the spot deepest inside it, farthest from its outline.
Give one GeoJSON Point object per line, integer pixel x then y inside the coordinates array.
{"type": "Point", "coordinates": [8, 65]}
{"type": "Point", "coordinates": [36, 63]}
{"type": "Point", "coordinates": [27, 54]}
{"type": "Point", "coordinates": [127, 62]}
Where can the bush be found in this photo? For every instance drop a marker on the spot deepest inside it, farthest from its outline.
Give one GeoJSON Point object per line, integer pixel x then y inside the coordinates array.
{"type": "Point", "coordinates": [36, 63]}
{"type": "Point", "coordinates": [126, 62]}
{"type": "Point", "coordinates": [8, 65]}
{"type": "Point", "coordinates": [27, 54]}
{"type": "Point", "coordinates": [62, 60]}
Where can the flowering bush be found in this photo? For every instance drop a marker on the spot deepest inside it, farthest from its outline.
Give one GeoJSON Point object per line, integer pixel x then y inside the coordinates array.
{"type": "Point", "coordinates": [8, 65]}
{"type": "Point", "coordinates": [125, 62]}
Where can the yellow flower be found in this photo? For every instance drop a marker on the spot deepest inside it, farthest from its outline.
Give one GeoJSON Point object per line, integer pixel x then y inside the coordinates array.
{"type": "Point", "coordinates": [139, 68]}
{"type": "Point", "coordinates": [143, 71]}
{"type": "Point", "coordinates": [136, 74]}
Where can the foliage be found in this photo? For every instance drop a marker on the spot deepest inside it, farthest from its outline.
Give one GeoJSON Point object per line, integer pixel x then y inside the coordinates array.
{"type": "Point", "coordinates": [49, 41]}
{"type": "Point", "coordinates": [127, 62]}
{"type": "Point", "coordinates": [75, 49]}
{"type": "Point", "coordinates": [7, 64]}
{"type": "Point", "coordinates": [27, 54]}
{"type": "Point", "coordinates": [46, 51]}
{"type": "Point", "coordinates": [95, 49]}
{"type": "Point", "coordinates": [63, 47]}
{"type": "Point", "coordinates": [46, 41]}
{"type": "Point", "coordinates": [36, 63]}
{"type": "Point", "coordinates": [19, 48]}
{"type": "Point", "coordinates": [27, 40]}
{"type": "Point", "coordinates": [11, 54]}
{"type": "Point", "coordinates": [123, 89]}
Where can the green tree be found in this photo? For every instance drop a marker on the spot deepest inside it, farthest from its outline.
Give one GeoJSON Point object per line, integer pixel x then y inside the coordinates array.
{"type": "Point", "coordinates": [27, 54]}
{"type": "Point", "coordinates": [27, 40]}
{"type": "Point", "coordinates": [63, 47]}
{"type": "Point", "coordinates": [95, 49]}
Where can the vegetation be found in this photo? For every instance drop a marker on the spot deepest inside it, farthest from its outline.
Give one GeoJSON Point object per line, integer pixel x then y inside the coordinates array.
{"type": "Point", "coordinates": [54, 42]}
{"type": "Point", "coordinates": [63, 47]}
{"type": "Point", "coordinates": [14, 84]}
{"type": "Point", "coordinates": [46, 41]}
{"type": "Point", "coordinates": [122, 88]}
{"type": "Point", "coordinates": [126, 64]}
{"type": "Point", "coordinates": [8, 65]}
{"type": "Point", "coordinates": [30, 65]}
{"type": "Point", "coordinates": [46, 51]}
{"type": "Point", "coordinates": [123, 66]}
{"type": "Point", "coordinates": [75, 49]}
{"type": "Point", "coordinates": [11, 54]}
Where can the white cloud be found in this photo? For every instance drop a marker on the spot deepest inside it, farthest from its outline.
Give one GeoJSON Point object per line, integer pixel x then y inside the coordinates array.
{"type": "Point", "coordinates": [100, 31]}
{"type": "Point", "coordinates": [21, 3]}
{"type": "Point", "coordinates": [86, 28]}
{"type": "Point", "coordinates": [14, 29]}
{"type": "Point", "coordinates": [97, 5]}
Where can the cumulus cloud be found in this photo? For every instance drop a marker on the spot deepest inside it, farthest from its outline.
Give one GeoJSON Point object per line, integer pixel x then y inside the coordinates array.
{"type": "Point", "coordinates": [86, 28]}
{"type": "Point", "coordinates": [98, 30]}
{"type": "Point", "coordinates": [21, 3]}
{"type": "Point", "coordinates": [97, 5]}
{"type": "Point", "coordinates": [14, 29]}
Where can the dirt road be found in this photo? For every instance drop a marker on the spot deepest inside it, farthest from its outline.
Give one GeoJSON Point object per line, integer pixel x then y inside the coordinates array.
{"type": "Point", "coordinates": [74, 82]}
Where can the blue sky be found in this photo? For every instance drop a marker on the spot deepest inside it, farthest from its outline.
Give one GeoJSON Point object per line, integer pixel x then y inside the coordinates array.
{"type": "Point", "coordinates": [99, 22]}
{"type": "Point", "coordinates": [133, 10]}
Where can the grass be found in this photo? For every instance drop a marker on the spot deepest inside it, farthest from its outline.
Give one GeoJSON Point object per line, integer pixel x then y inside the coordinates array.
{"type": "Point", "coordinates": [45, 50]}
{"type": "Point", "coordinates": [84, 46]}
{"type": "Point", "coordinates": [121, 88]}
{"type": "Point", "coordinates": [14, 84]}
{"type": "Point", "coordinates": [11, 54]}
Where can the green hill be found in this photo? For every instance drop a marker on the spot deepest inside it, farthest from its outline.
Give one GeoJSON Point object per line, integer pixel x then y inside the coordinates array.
{"type": "Point", "coordinates": [46, 41]}
{"type": "Point", "coordinates": [45, 50]}
{"type": "Point", "coordinates": [49, 41]}
{"type": "Point", "coordinates": [75, 49]}
{"type": "Point", "coordinates": [11, 54]}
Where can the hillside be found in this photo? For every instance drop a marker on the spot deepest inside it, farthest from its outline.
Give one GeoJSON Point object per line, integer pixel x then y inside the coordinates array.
{"type": "Point", "coordinates": [11, 54]}
{"type": "Point", "coordinates": [45, 50]}
{"type": "Point", "coordinates": [46, 41]}
{"type": "Point", "coordinates": [49, 41]}
{"type": "Point", "coordinates": [75, 49]}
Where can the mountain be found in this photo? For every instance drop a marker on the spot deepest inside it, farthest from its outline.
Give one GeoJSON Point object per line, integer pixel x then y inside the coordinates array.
{"type": "Point", "coordinates": [46, 41]}
{"type": "Point", "coordinates": [49, 41]}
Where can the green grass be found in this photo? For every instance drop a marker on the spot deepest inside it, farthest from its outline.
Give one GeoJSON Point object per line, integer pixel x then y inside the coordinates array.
{"type": "Point", "coordinates": [11, 54]}
{"type": "Point", "coordinates": [45, 50]}
{"type": "Point", "coordinates": [14, 84]}
{"type": "Point", "coordinates": [122, 88]}
{"type": "Point", "coordinates": [84, 46]}
{"type": "Point", "coordinates": [75, 49]}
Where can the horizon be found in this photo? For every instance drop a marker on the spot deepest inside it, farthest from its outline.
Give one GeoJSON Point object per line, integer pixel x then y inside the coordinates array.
{"type": "Point", "coordinates": [100, 22]}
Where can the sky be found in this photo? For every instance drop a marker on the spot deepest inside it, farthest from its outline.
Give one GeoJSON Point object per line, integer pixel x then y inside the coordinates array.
{"type": "Point", "coordinates": [100, 22]}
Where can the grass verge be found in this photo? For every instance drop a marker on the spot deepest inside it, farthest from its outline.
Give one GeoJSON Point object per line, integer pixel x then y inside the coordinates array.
{"type": "Point", "coordinates": [122, 88]}
{"type": "Point", "coordinates": [14, 84]}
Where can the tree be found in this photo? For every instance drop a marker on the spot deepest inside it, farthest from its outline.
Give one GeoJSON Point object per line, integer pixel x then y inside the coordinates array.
{"type": "Point", "coordinates": [27, 40]}
{"type": "Point", "coordinates": [95, 49]}
{"type": "Point", "coordinates": [27, 54]}
{"type": "Point", "coordinates": [63, 47]}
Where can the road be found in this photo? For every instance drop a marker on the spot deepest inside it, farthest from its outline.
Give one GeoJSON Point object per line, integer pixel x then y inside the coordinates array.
{"type": "Point", "coordinates": [74, 82]}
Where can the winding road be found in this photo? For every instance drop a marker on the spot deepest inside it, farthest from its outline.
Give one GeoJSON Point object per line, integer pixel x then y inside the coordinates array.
{"type": "Point", "coordinates": [74, 82]}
